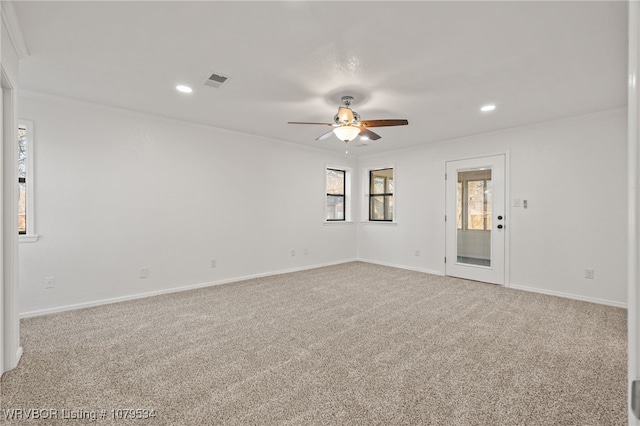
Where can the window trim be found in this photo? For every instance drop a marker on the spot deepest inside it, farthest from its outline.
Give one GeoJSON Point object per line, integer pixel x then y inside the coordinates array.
{"type": "Point", "coordinates": [347, 195]}
{"type": "Point", "coordinates": [31, 235]}
{"type": "Point", "coordinates": [366, 202]}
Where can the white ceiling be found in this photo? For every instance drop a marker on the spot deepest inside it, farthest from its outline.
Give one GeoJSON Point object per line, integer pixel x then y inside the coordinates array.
{"type": "Point", "coordinates": [433, 63]}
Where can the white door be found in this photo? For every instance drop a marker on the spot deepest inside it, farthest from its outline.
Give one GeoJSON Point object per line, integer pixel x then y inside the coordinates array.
{"type": "Point", "coordinates": [475, 219]}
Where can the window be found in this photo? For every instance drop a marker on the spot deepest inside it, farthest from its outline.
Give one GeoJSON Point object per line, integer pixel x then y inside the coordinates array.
{"type": "Point", "coordinates": [381, 195]}
{"type": "Point", "coordinates": [336, 180]}
{"type": "Point", "coordinates": [25, 181]}
{"type": "Point", "coordinates": [474, 200]}
{"type": "Point", "coordinates": [22, 180]}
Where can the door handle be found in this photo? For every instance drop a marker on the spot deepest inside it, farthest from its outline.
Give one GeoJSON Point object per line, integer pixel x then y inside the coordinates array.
{"type": "Point", "coordinates": [500, 226]}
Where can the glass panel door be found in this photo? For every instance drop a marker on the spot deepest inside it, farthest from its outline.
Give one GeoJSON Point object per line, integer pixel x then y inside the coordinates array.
{"type": "Point", "coordinates": [476, 220]}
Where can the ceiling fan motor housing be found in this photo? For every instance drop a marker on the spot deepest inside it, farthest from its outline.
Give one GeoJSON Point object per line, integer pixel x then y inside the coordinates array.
{"type": "Point", "coordinates": [356, 118]}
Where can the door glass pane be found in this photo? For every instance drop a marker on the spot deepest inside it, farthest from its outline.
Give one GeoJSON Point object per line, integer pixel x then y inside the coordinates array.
{"type": "Point", "coordinates": [475, 204]}
{"type": "Point", "coordinates": [488, 203]}
{"type": "Point", "coordinates": [459, 209]}
{"type": "Point", "coordinates": [474, 201]}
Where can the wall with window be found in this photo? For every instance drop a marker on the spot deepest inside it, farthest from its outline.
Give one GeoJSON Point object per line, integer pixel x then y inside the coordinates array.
{"type": "Point", "coordinates": [572, 172]}
{"type": "Point", "coordinates": [117, 192]}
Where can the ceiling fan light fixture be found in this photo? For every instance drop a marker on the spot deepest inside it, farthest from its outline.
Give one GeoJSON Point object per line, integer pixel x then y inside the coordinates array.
{"type": "Point", "coordinates": [346, 133]}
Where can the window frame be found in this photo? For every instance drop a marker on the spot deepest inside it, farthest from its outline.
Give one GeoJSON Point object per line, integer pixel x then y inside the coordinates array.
{"type": "Point", "coordinates": [366, 211]}
{"type": "Point", "coordinates": [348, 210]}
{"type": "Point", "coordinates": [30, 235]}
{"type": "Point", "coordinates": [343, 194]}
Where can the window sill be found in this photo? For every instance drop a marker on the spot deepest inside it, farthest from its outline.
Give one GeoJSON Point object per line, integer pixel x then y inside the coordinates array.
{"type": "Point", "coordinates": [28, 238]}
{"type": "Point", "coordinates": [380, 222]}
{"type": "Point", "coordinates": [337, 222]}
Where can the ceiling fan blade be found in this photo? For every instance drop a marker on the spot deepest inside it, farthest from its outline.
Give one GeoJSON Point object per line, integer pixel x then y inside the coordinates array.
{"type": "Point", "coordinates": [308, 122]}
{"type": "Point", "coordinates": [366, 133]}
{"type": "Point", "coordinates": [345, 115]}
{"type": "Point", "coordinates": [383, 123]}
{"type": "Point", "coordinates": [325, 136]}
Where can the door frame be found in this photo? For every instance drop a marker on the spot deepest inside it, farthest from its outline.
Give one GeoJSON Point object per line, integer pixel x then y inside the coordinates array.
{"type": "Point", "coordinates": [12, 351]}
{"type": "Point", "coordinates": [507, 209]}
{"type": "Point", "coordinates": [633, 183]}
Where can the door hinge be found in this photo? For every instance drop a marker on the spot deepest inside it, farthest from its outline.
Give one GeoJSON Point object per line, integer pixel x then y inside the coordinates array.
{"type": "Point", "coordinates": [445, 176]}
{"type": "Point", "coordinates": [635, 398]}
{"type": "Point", "coordinates": [445, 260]}
{"type": "Point", "coordinates": [445, 217]}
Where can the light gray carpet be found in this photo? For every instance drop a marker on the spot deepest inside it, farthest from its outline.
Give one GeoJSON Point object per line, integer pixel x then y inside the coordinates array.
{"type": "Point", "coordinates": [353, 344]}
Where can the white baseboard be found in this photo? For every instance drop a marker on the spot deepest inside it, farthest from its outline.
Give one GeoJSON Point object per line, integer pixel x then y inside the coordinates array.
{"type": "Point", "coordinates": [285, 271]}
{"type": "Point", "coordinates": [11, 364]}
{"type": "Point", "coordinates": [18, 355]}
{"type": "Point", "coordinates": [570, 296]}
{"type": "Point", "coordinates": [515, 287]}
{"type": "Point", "coordinates": [408, 268]}
{"type": "Point", "coordinates": [171, 290]}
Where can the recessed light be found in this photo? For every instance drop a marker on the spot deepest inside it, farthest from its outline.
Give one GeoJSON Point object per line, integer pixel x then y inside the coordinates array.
{"type": "Point", "coordinates": [364, 138]}
{"type": "Point", "coordinates": [184, 89]}
{"type": "Point", "coordinates": [487, 108]}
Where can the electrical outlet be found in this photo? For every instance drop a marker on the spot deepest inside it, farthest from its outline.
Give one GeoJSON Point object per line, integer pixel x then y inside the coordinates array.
{"type": "Point", "coordinates": [143, 273]}
{"type": "Point", "coordinates": [589, 273]}
{"type": "Point", "coordinates": [417, 252]}
{"type": "Point", "coordinates": [306, 251]}
{"type": "Point", "coordinates": [293, 253]}
{"type": "Point", "coordinates": [49, 282]}
{"type": "Point", "coordinates": [214, 263]}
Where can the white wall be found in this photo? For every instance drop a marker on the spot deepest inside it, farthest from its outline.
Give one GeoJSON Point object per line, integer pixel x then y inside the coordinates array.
{"type": "Point", "coordinates": [573, 174]}
{"type": "Point", "coordinates": [118, 191]}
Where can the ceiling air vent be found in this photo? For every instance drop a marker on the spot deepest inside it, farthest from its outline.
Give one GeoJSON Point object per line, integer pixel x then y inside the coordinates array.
{"type": "Point", "coordinates": [215, 80]}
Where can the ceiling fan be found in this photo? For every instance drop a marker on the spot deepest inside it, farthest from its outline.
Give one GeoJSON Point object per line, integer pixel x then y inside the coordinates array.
{"type": "Point", "coordinates": [347, 124]}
